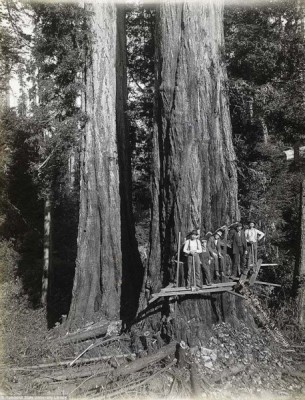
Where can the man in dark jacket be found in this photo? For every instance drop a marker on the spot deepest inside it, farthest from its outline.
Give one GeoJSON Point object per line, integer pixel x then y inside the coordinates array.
{"type": "Point", "coordinates": [205, 262]}
{"type": "Point", "coordinates": [238, 242]}
{"type": "Point", "coordinates": [214, 249]}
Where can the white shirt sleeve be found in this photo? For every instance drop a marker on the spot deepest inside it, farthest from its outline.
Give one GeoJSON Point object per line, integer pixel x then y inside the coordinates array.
{"type": "Point", "coordinates": [260, 235]}
{"type": "Point", "coordinates": [185, 248]}
{"type": "Point", "coordinates": [199, 250]}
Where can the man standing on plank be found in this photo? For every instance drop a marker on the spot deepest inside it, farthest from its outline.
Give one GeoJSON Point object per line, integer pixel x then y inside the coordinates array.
{"type": "Point", "coordinates": [239, 249]}
{"type": "Point", "coordinates": [214, 248]}
{"type": "Point", "coordinates": [253, 236]}
{"type": "Point", "coordinates": [192, 248]}
{"type": "Point", "coordinates": [205, 262]}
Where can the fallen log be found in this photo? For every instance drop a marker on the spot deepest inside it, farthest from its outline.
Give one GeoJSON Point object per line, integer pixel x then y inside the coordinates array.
{"type": "Point", "coordinates": [66, 363]}
{"type": "Point", "coordinates": [94, 345]}
{"type": "Point", "coordinates": [143, 382]}
{"type": "Point", "coordinates": [89, 333]}
{"type": "Point", "coordinates": [132, 367]}
{"type": "Point", "coordinates": [233, 371]}
{"type": "Point", "coordinates": [73, 375]}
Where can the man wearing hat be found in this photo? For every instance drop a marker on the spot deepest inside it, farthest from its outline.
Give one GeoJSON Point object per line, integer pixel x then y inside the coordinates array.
{"type": "Point", "coordinates": [205, 262]}
{"type": "Point", "coordinates": [239, 248]}
{"type": "Point", "coordinates": [253, 236]}
{"type": "Point", "coordinates": [192, 248]}
{"type": "Point", "coordinates": [214, 248]}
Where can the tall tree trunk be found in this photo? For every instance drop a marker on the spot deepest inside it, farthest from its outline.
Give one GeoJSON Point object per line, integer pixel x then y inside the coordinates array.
{"type": "Point", "coordinates": [299, 271]}
{"type": "Point", "coordinates": [195, 179]}
{"type": "Point", "coordinates": [107, 248]}
{"type": "Point", "coordinates": [97, 282]}
{"type": "Point", "coordinates": [299, 277]}
{"type": "Point", "coordinates": [47, 273]}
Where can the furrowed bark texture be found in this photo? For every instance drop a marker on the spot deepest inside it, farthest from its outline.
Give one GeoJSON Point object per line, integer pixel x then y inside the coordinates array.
{"type": "Point", "coordinates": [97, 283]}
{"type": "Point", "coordinates": [195, 179]}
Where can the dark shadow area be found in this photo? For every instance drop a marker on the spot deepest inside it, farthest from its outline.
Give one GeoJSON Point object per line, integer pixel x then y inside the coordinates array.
{"type": "Point", "coordinates": [24, 223]}
{"type": "Point", "coordinates": [64, 233]}
{"type": "Point", "coordinates": [132, 269]}
{"type": "Point", "coordinates": [24, 208]}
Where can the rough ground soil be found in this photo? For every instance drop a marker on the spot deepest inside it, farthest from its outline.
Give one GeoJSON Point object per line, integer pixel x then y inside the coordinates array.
{"type": "Point", "coordinates": [233, 363]}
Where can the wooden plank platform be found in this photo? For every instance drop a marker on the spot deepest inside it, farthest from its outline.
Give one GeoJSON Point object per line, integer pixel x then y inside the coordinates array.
{"type": "Point", "coordinates": [182, 288]}
{"type": "Point", "coordinates": [221, 287]}
{"type": "Point", "coordinates": [172, 292]}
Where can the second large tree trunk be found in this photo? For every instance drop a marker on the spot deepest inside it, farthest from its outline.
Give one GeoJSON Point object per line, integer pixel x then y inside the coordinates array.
{"type": "Point", "coordinates": [195, 179]}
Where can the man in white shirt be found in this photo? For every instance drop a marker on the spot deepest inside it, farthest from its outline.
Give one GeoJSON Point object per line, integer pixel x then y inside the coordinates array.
{"type": "Point", "coordinates": [253, 236]}
{"type": "Point", "coordinates": [192, 248]}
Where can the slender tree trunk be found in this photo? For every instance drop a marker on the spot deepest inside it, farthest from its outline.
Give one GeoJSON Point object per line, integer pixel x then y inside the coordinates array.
{"type": "Point", "coordinates": [195, 179]}
{"type": "Point", "coordinates": [264, 129]}
{"type": "Point", "coordinates": [300, 273]}
{"type": "Point", "coordinates": [47, 274]}
{"type": "Point", "coordinates": [107, 261]}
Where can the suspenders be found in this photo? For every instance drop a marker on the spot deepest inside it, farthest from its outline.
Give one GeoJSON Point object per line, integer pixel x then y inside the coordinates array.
{"type": "Point", "coordinates": [189, 247]}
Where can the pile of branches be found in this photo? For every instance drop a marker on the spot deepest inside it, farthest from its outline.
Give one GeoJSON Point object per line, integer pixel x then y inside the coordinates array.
{"type": "Point", "coordinates": [99, 361]}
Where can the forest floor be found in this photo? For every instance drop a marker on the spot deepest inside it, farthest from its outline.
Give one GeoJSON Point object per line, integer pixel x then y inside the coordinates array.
{"type": "Point", "coordinates": [233, 363]}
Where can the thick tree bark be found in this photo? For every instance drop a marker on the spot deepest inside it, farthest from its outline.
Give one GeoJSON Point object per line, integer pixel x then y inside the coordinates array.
{"type": "Point", "coordinates": [195, 179]}
{"type": "Point", "coordinates": [108, 263]}
{"type": "Point", "coordinates": [97, 282]}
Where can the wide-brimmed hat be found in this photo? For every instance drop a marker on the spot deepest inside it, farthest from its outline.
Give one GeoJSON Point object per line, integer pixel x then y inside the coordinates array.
{"type": "Point", "coordinates": [208, 235]}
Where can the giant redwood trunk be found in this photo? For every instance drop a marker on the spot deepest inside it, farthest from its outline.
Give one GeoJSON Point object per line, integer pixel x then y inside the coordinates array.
{"type": "Point", "coordinates": [195, 179]}
{"type": "Point", "coordinates": [104, 199]}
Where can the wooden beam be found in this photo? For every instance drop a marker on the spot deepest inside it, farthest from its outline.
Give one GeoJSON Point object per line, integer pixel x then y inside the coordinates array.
{"type": "Point", "coordinates": [255, 273]}
{"type": "Point", "coordinates": [269, 265]}
{"type": "Point", "coordinates": [182, 288]}
{"type": "Point", "coordinates": [243, 276]}
{"type": "Point", "coordinates": [268, 284]}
